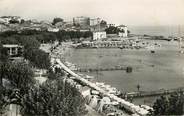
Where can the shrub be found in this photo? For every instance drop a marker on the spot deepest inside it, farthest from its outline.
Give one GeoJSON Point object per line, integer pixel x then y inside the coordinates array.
{"type": "Point", "coordinates": [54, 98]}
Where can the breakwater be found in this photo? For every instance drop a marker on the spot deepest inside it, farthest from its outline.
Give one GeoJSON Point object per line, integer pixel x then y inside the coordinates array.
{"type": "Point", "coordinates": [125, 68]}
{"type": "Point", "coordinates": [154, 93]}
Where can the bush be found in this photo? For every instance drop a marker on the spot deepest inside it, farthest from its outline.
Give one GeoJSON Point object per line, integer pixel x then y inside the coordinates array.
{"type": "Point", "coordinates": [54, 98]}
{"type": "Point", "coordinates": [18, 74]}
{"type": "Point", "coordinates": [3, 54]}
{"type": "Point", "coordinates": [38, 58]}
{"type": "Point", "coordinates": [172, 105]}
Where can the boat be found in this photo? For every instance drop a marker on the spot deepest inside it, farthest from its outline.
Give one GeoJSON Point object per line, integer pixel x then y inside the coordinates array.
{"type": "Point", "coordinates": [151, 48]}
{"type": "Point", "coordinates": [182, 52]}
{"type": "Point", "coordinates": [88, 77]}
{"type": "Point", "coordinates": [152, 51]}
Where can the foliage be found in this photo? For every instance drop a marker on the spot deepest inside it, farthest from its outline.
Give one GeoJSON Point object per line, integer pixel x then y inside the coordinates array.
{"type": "Point", "coordinates": [3, 100]}
{"type": "Point", "coordinates": [13, 21]}
{"type": "Point", "coordinates": [56, 20]}
{"type": "Point", "coordinates": [13, 37]}
{"type": "Point", "coordinates": [29, 42]}
{"type": "Point", "coordinates": [3, 54]}
{"type": "Point", "coordinates": [103, 23]}
{"type": "Point", "coordinates": [8, 33]}
{"type": "Point", "coordinates": [49, 36]}
{"type": "Point", "coordinates": [19, 74]}
{"type": "Point", "coordinates": [172, 105]}
{"type": "Point", "coordinates": [38, 58]}
{"type": "Point", "coordinates": [29, 32]}
{"type": "Point", "coordinates": [113, 30]}
{"type": "Point", "coordinates": [54, 75]}
{"type": "Point", "coordinates": [8, 40]}
{"type": "Point", "coordinates": [54, 98]}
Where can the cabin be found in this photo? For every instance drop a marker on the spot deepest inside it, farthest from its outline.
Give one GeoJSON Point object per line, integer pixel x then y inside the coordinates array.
{"type": "Point", "coordinates": [14, 50]}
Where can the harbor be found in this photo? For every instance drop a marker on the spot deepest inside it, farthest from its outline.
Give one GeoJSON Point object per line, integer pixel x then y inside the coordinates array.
{"type": "Point", "coordinates": [144, 68]}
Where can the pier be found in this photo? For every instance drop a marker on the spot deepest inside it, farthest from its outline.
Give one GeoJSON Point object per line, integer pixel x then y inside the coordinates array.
{"type": "Point", "coordinates": [125, 68]}
{"type": "Point", "coordinates": [154, 93]}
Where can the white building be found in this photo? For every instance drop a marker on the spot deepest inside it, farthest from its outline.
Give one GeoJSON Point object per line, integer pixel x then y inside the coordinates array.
{"type": "Point", "coordinates": [94, 21]}
{"type": "Point", "coordinates": [99, 35]}
{"type": "Point", "coordinates": [13, 49]}
{"type": "Point", "coordinates": [6, 19]}
{"type": "Point", "coordinates": [123, 33]}
{"type": "Point", "coordinates": [53, 29]}
{"type": "Point", "coordinates": [81, 20]}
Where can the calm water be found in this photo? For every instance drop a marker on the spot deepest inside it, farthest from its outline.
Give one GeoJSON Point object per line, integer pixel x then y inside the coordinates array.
{"type": "Point", "coordinates": [164, 69]}
{"type": "Point", "coordinates": [158, 30]}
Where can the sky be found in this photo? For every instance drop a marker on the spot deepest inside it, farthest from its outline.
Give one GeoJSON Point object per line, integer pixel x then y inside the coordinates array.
{"type": "Point", "coordinates": [128, 12]}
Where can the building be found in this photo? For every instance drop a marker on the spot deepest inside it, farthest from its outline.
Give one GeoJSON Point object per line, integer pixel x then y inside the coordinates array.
{"type": "Point", "coordinates": [124, 32]}
{"type": "Point", "coordinates": [99, 35]}
{"type": "Point", "coordinates": [94, 21]}
{"type": "Point", "coordinates": [4, 27]}
{"type": "Point", "coordinates": [50, 29]}
{"type": "Point", "coordinates": [14, 50]}
{"type": "Point", "coordinates": [7, 19]}
{"type": "Point", "coordinates": [81, 20]}
{"type": "Point", "coordinates": [109, 25]}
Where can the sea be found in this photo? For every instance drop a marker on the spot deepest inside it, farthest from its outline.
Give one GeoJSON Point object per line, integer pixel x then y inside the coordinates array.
{"type": "Point", "coordinates": [163, 69]}
{"type": "Point", "coordinates": [158, 30]}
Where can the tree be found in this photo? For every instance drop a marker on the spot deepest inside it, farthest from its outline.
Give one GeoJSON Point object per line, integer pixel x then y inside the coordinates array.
{"type": "Point", "coordinates": [88, 34]}
{"type": "Point", "coordinates": [4, 100]}
{"type": "Point", "coordinates": [3, 54]}
{"type": "Point", "coordinates": [172, 105]}
{"type": "Point", "coordinates": [103, 23]}
{"type": "Point", "coordinates": [49, 37]}
{"type": "Point", "coordinates": [8, 33]}
{"type": "Point", "coordinates": [56, 20]}
{"type": "Point", "coordinates": [128, 31]}
{"type": "Point", "coordinates": [38, 58]}
{"type": "Point", "coordinates": [112, 30]}
{"type": "Point", "coordinates": [22, 21]}
{"type": "Point", "coordinates": [18, 74]}
{"type": "Point", "coordinates": [8, 40]}
{"type": "Point", "coordinates": [54, 98]}
{"type": "Point", "coordinates": [29, 42]}
{"type": "Point", "coordinates": [13, 21]}
{"type": "Point", "coordinates": [21, 78]}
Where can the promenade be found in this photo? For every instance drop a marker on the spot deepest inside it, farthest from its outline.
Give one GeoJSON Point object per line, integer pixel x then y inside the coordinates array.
{"type": "Point", "coordinates": [127, 105]}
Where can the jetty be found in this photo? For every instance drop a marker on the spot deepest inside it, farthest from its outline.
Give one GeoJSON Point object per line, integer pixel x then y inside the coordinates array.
{"type": "Point", "coordinates": [125, 68]}
{"type": "Point", "coordinates": [154, 93]}
{"type": "Point", "coordinates": [127, 105]}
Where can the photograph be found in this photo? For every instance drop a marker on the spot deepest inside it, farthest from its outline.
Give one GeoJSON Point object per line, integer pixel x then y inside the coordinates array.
{"type": "Point", "coordinates": [91, 57]}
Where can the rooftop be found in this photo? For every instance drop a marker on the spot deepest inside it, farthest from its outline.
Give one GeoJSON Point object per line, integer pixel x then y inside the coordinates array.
{"type": "Point", "coordinates": [11, 45]}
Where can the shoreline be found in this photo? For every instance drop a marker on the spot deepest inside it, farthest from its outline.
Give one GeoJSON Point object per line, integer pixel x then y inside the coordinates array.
{"type": "Point", "coordinates": [93, 96]}
{"type": "Point", "coordinates": [166, 46]}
